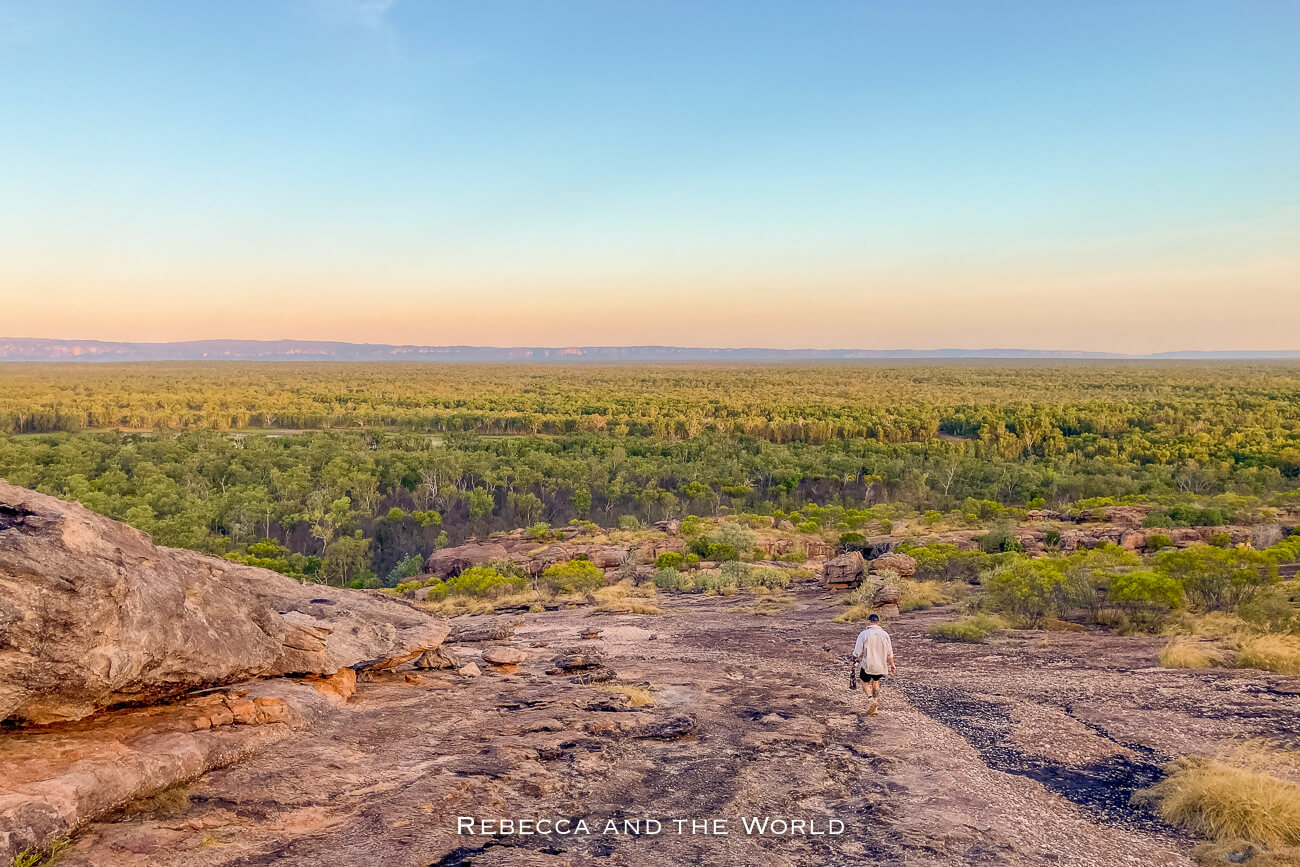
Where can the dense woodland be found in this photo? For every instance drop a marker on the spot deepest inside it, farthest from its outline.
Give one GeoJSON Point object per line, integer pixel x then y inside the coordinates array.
{"type": "Point", "coordinates": [352, 469]}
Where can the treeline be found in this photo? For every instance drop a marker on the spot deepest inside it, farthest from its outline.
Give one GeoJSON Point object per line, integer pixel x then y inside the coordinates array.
{"type": "Point", "coordinates": [350, 505]}
{"type": "Point", "coordinates": [1170, 414]}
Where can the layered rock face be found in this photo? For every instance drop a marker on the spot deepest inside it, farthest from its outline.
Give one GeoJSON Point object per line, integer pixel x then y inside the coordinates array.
{"type": "Point", "coordinates": [93, 614]}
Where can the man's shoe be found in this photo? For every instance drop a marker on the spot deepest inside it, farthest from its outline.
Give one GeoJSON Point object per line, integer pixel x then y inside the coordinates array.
{"type": "Point", "coordinates": [873, 707]}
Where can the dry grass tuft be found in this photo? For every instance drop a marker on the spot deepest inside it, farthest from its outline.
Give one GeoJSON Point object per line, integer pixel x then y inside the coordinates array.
{"type": "Point", "coordinates": [637, 696]}
{"type": "Point", "coordinates": [453, 606]}
{"type": "Point", "coordinates": [1187, 653]}
{"type": "Point", "coordinates": [1214, 624]}
{"type": "Point", "coordinates": [919, 595]}
{"type": "Point", "coordinates": [970, 630]}
{"type": "Point", "coordinates": [1232, 797]}
{"type": "Point", "coordinates": [766, 605]}
{"type": "Point", "coordinates": [626, 598]}
{"type": "Point", "coordinates": [854, 614]}
{"type": "Point", "coordinates": [1280, 653]}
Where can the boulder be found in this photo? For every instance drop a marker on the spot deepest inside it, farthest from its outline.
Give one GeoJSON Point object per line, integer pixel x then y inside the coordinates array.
{"type": "Point", "coordinates": [609, 557]}
{"type": "Point", "coordinates": [450, 562]}
{"type": "Point", "coordinates": [93, 614]}
{"type": "Point", "coordinates": [504, 656]}
{"type": "Point", "coordinates": [844, 569]}
{"type": "Point", "coordinates": [500, 629]}
{"type": "Point", "coordinates": [904, 565]}
{"type": "Point", "coordinates": [438, 658]}
{"type": "Point", "coordinates": [887, 594]}
{"type": "Point", "coordinates": [469, 670]}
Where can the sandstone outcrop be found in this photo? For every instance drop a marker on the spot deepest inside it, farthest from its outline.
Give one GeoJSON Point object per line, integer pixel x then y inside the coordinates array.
{"type": "Point", "coordinates": [902, 564]}
{"type": "Point", "coordinates": [450, 562]}
{"type": "Point", "coordinates": [843, 571]}
{"type": "Point", "coordinates": [93, 614]}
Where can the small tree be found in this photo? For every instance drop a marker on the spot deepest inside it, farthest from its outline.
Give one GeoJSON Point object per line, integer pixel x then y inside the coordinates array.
{"type": "Point", "coordinates": [1029, 590]}
{"type": "Point", "coordinates": [1218, 579]}
{"type": "Point", "coordinates": [1146, 597]}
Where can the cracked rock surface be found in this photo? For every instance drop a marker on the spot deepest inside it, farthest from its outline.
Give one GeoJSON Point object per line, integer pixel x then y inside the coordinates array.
{"type": "Point", "coordinates": [1021, 751]}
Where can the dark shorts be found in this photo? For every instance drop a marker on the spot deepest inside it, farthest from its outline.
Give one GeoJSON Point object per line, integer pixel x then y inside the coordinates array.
{"type": "Point", "coordinates": [869, 677]}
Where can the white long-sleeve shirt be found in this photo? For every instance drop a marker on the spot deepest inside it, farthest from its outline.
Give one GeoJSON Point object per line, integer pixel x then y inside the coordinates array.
{"type": "Point", "coordinates": [874, 649]}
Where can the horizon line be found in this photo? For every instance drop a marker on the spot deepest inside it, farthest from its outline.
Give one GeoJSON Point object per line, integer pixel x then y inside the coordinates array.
{"type": "Point", "coordinates": [44, 349]}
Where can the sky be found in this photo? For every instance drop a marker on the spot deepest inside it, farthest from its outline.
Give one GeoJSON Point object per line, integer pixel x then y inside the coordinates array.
{"type": "Point", "coordinates": [1115, 175]}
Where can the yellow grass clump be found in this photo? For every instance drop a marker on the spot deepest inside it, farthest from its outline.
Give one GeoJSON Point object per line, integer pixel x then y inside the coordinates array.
{"type": "Point", "coordinates": [637, 696]}
{"type": "Point", "coordinates": [1185, 653]}
{"type": "Point", "coordinates": [854, 614]}
{"type": "Point", "coordinates": [919, 595]}
{"type": "Point", "coordinates": [627, 598]}
{"type": "Point", "coordinates": [1280, 653]}
{"type": "Point", "coordinates": [1232, 797]}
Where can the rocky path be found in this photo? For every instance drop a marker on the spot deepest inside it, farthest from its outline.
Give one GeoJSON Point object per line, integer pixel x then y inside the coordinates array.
{"type": "Point", "coordinates": [1023, 751]}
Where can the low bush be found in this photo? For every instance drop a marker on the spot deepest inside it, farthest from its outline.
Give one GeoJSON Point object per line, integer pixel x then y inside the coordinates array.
{"type": "Point", "coordinates": [670, 580]}
{"type": "Point", "coordinates": [1280, 653]}
{"type": "Point", "coordinates": [479, 582]}
{"type": "Point", "coordinates": [575, 576]}
{"type": "Point", "coordinates": [1229, 798]}
{"type": "Point", "coordinates": [920, 595]}
{"type": "Point", "coordinates": [669, 559]}
{"type": "Point", "coordinates": [972, 630]}
{"type": "Point", "coordinates": [1183, 653]}
{"type": "Point", "coordinates": [854, 614]}
{"type": "Point", "coordinates": [1156, 541]}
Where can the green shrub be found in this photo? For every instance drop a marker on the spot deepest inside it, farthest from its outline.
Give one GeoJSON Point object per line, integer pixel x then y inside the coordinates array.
{"type": "Point", "coordinates": [691, 561]}
{"type": "Point", "coordinates": [691, 526]}
{"type": "Point", "coordinates": [575, 576]}
{"type": "Point", "coordinates": [720, 552]}
{"type": "Point", "coordinates": [852, 539]}
{"type": "Point", "coordinates": [1146, 597]}
{"type": "Point", "coordinates": [540, 530]}
{"type": "Point", "coordinates": [629, 522]}
{"type": "Point", "coordinates": [1271, 612]}
{"type": "Point", "coordinates": [940, 561]}
{"type": "Point", "coordinates": [972, 630]}
{"type": "Point", "coordinates": [1088, 575]}
{"type": "Point", "coordinates": [772, 579]}
{"type": "Point", "coordinates": [1000, 540]}
{"type": "Point", "coordinates": [670, 559]}
{"type": "Point", "coordinates": [737, 573]}
{"type": "Point", "coordinates": [1218, 579]}
{"type": "Point", "coordinates": [1028, 590]}
{"type": "Point", "coordinates": [1052, 538]}
{"type": "Point", "coordinates": [807, 527]}
{"type": "Point", "coordinates": [394, 515]}
{"type": "Point", "coordinates": [479, 582]}
{"type": "Point", "coordinates": [1156, 541]}
{"type": "Point", "coordinates": [670, 580]}
{"type": "Point", "coordinates": [736, 536]}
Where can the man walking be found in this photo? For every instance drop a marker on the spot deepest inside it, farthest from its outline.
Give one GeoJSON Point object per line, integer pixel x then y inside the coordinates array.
{"type": "Point", "coordinates": [874, 654]}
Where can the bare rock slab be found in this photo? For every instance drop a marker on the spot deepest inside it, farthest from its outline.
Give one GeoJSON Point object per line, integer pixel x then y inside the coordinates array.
{"type": "Point", "coordinates": [93, 614]}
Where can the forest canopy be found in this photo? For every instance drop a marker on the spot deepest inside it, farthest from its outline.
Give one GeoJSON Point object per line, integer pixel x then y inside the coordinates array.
{"type": "Point", "coordinates": [349, 471]}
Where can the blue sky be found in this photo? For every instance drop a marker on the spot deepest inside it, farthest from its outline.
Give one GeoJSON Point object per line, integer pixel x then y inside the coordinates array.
{"type": "Point", "coordinates": [1101, 175]}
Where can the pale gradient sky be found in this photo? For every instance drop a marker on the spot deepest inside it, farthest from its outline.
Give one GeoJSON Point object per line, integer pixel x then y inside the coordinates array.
{"type": "Point", "coordinates": [1119, 176]}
